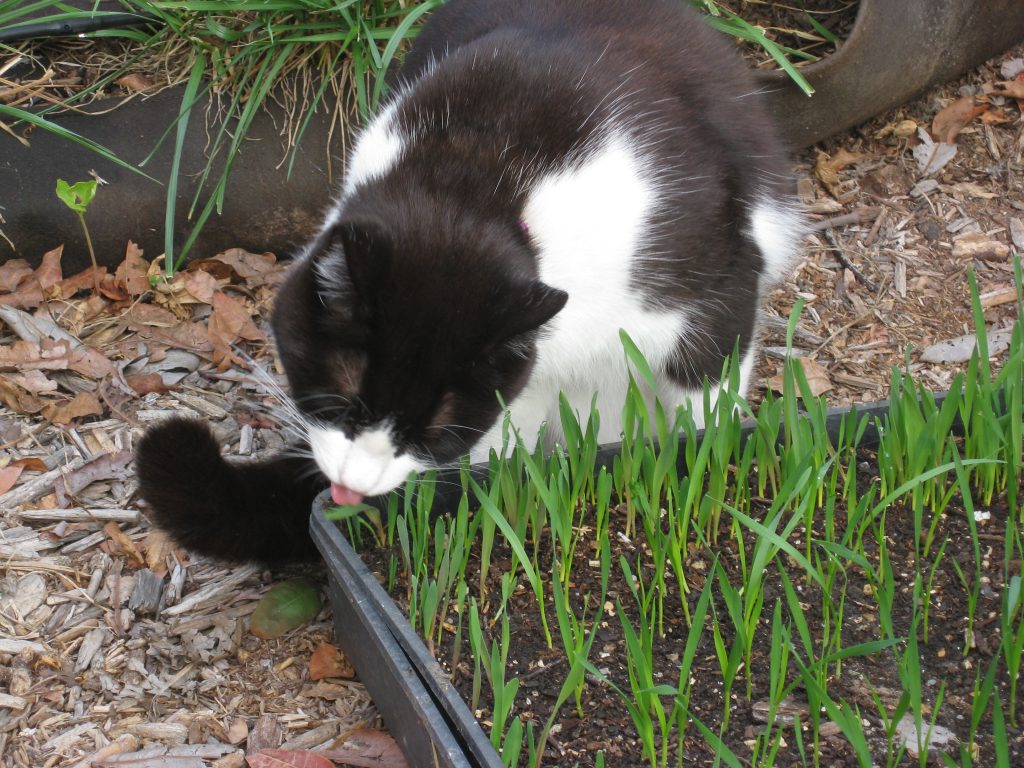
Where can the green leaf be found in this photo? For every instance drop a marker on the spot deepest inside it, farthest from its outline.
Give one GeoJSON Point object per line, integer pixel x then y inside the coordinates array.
{"type": "Point", "coordinates": [76, 196]}
{"type": "Point", "coordinates": [284, 607]}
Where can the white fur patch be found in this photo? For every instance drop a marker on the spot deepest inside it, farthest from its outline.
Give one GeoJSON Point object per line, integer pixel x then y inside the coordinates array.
{"type": "Point", "coordinates": [589, 222]}
{"type": "Point", "coordinates": [377, 150]}
{"type": "Point", "coordinates": [368, 464]}
{"type": "Point", "coordinates": [777, 230]}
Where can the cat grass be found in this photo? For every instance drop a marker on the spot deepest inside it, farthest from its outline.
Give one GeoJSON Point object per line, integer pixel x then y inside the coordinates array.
{"type": "Point", "coordinates": [728, 543]}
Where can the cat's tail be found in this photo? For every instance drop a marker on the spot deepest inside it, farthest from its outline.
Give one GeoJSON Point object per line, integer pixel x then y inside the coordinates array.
{"type": "Point", "coordinates": [245, 511]}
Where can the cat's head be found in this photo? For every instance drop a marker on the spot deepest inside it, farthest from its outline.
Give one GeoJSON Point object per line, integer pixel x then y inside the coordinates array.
{"type": "Point", "coordinates": [396, 340]}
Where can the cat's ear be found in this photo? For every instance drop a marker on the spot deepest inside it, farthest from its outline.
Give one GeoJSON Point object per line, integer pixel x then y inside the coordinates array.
{"type": "Point", "coordinates": [359, 248]}
{"type": "Point", "coordinates": [367, 251]}
{"type": "Point", "coordinates": [531, 308]}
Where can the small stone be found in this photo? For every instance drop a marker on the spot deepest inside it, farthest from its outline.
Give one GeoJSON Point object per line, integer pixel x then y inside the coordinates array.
{"type": "Point", "coordinates": [932, 737]}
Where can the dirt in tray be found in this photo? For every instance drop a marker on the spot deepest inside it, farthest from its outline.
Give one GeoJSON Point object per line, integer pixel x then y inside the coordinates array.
{"type": "Point", "coordinates": [790, 25]}
{"type": "Point", "coordinates": [947, 674]}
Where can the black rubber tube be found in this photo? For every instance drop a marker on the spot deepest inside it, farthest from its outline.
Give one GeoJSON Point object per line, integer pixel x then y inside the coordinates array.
{"type": "Point", "coordinates": [75, 27]}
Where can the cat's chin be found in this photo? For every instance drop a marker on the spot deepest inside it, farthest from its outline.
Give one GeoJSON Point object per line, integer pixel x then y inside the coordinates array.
{"type": "Point", "coordinates": [345, 496]}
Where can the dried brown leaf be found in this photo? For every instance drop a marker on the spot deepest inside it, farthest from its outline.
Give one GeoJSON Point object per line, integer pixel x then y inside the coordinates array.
{"type": "Point", "coordinates": [1013, 89]}
{"type": "Point", "coordinates": [132, 274]}
{"type": "Point", "coordinates": [815, 373]}
{"type": "Point", "coordinates": [135, 82]}
{"type": "Point", "coordinates": [329, 661]}
{"type": "Point", "coordinates": [32, 464]}
{"type": "Point", "coordinates": [27, 355]}
{"type": "Point", "coordinates": [282, 758]}
{"type": "Point", "coordinates": [69, 286]}
{"type": "Point", "coordinates": [122, 544]}
{"type": "Point", "coordinates": [145, 383]}
{"type": "Point", "coordinates": [81, 405]}
{"type": "Point", "coordinates": [8, 477]}
{"type": "Point", "coordinates": [49, 272]}
{"type": "Point", "coordinates": [368, 748]}
{"type": "Point", "coordinates": [251, 267]}
{"type": "Point", "coordinates": [34, 381]}
{"type": "Point", "coordinates": [17, 399]}
{"type": "Point", "coordinates": [827, 167]}
{"type": "Point", "coordinates": [952, 119]}
{"type": "Point", "coordinates": [200, 285]}
{"type": "Point", "coordinates": [12, 273]}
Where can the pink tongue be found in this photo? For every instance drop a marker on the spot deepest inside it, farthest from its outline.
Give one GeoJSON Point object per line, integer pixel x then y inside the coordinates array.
{"type": "Point", "coordinates": [344, 495]}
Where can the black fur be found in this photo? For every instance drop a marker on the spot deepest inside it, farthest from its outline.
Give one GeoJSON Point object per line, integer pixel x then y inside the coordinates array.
{"type": "Point", "coordinates": [235, 511]}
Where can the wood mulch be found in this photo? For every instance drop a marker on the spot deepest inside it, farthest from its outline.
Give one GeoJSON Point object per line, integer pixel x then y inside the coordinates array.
{"type": "Point", "coordinates": [113, 642]}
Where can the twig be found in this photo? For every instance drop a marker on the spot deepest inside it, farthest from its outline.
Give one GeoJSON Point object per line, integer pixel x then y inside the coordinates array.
{"type": "Point", "coordinates": [854, 217]}
{"type": "Point", "coordinates": [837, 249]}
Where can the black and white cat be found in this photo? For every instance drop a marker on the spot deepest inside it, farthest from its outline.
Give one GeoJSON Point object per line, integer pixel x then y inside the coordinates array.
{"type": "Point", "coordinates": [545, 173]}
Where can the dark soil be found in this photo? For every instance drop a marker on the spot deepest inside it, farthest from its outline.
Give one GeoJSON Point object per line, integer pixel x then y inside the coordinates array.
{"type": "Point", "coordinates": [788, 24]}
{"type": "Point", "coordinates": [607, 726]}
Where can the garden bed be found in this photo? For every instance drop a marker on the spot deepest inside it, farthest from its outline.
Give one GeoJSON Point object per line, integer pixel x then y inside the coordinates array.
{"type": "Point", "coordinates": [698, 629]}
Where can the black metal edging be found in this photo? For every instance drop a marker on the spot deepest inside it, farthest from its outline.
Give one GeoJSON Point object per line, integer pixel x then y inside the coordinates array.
{"type": "Point", "coordinates": [425, 712]}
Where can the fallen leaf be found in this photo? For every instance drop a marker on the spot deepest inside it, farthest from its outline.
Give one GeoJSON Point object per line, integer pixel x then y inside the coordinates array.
{"type": "Point", "coordinates": [17, 399]}
{"type": "Point", "coordinates": [45, 355]}
{"type": "Point", "coordinates": [1013, 89]}
{"type": "Point", "coordinates": [282, 758]}
{"type": "Point", "coordinates": [329, 661]}
{"type": "Point", "coordinates": [146, 383]}
{"type": "Point", "coordinates": [135, 82]}
{"type": "Point", "coordinates": [960, 349]}
{"type": "Point", "coordinates": [228, 322]}
{"type": "Point", "coordinates": [132, 274]}
{"type": "Point", "coordinates": [83, 404]}
{"type": "Point", "coordinates": [930, 156]}
{"type": "Point", "coordinates": [69, 286]}
{"type": "Point", "coordinates": [8, 477]}
{"type": "Point", "coordinates": [284, 607]}
{"type": "Point", "coordinates": [828, 167]}
{"type": "Point", "coordinates": [34, 381]}
{"type": "Point", "coordinates": [368, 748]}
{"type": "Point", "coordinates": [247, 266]}
{"type": "Point", "coordinates": [815, 373]}
{"type": "Point", "coordinates": [113, 289]}
{"type": "Point", "coordinates": [12, 273]}
{"type": "Point", "coordinates": [201, 285]}
{"type": "Point", "coordinates": [123, 544]}
{"type": "Point", "coordinates": [1010, 68]}
{"type": "Point", "coordinates": [996, 117]}
{"type": "Point", "coordinates": [49, 272]}
{"type": "Point", "coordinates": [952, 119]}
{"type": "Point", "coordinates": [31, 463]}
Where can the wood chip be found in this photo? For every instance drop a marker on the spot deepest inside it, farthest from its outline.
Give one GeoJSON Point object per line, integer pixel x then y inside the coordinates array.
{"type": "Point", "coordinates": [149, 587]}
{"type": "Point", "coordinates": [213, 592]}
{"type": "Point", "coordinates": [978, 245]}
{"type": "Point", "coordinates": [81, 514]}
{"type": "Point", "coordinates": [266, 734]}
{"type": "Point", "coordinates": [12, 702]}
{"type": "Point", "coordinates": [30, 490]}
{"type": "Point", "coordinates": [175, 733]}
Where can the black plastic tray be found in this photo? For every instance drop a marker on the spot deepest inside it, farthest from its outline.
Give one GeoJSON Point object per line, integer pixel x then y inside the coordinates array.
{"type": "Point", "coordinates": [424, 711]}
